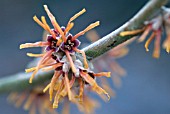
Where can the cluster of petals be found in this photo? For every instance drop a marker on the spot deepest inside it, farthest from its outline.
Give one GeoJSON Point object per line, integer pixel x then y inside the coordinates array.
{"type": "Point", "coordinates": [33, 101]}
{"type": "Point", "coordinates": [153, 30]}
{"type": "Point", "coordinates": [60, 55]}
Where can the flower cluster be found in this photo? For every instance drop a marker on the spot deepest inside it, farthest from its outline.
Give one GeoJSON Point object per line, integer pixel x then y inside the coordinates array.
{"type": "Point", "coordinates": [60, 55]}
{"type": "Point", "coordinates": [34, 100]}
{"type": "Point", "coordinates": [154, 28]}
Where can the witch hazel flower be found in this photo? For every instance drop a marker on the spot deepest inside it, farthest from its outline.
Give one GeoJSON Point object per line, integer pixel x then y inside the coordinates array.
{"type": "Point", "coordinates": [36, 102]}
{"type": "Point", "coordinates": [153, 26]}
{"type": "Point", "coordinates": [156, 26]}
{"type": "Point", "coordinates": [153, 29]}
{"type": "Point", "coordinates": [59, 39]}
{"type": "Point", "coordinates": [60, 57]}
{"type": "Point", "coordinates": [33, 101]}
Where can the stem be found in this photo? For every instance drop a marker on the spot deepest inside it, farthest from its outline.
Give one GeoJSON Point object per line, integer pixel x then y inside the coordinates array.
{"type": "Point", "coordinates": [113, 39]}
{"type": "Point", "coordinates": [20, 81]}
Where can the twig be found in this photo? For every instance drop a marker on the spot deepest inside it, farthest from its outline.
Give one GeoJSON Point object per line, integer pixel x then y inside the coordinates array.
{"type": "Point", "coordinates": [113, 39]}
{"type": "Point", "coordinates": [20, 81]}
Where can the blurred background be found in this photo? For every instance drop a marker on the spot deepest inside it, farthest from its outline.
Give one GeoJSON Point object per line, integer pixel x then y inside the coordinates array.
{"type": "Point", "coordinates": [146, 87]}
